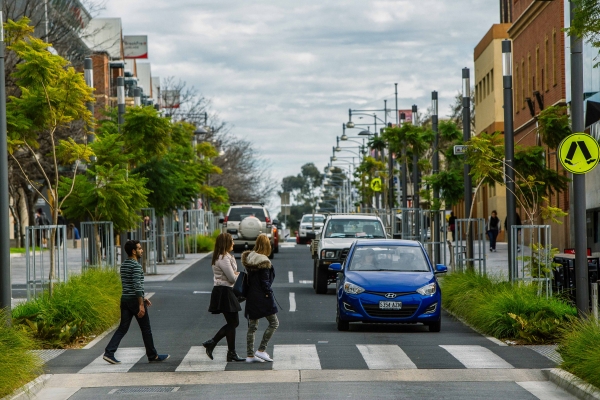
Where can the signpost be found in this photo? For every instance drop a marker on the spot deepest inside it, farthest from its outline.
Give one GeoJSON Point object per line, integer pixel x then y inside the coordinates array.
{"type": "Point", "coordinates": [376, 185]}
{"type": "Point", "coordinates": [579, 153]}
{"type": "Point", "coordinates": [135, 47]}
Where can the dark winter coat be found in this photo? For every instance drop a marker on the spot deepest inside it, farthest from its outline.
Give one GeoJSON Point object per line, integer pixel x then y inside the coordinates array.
{"type": "Point", "coordinates": [260, 301]}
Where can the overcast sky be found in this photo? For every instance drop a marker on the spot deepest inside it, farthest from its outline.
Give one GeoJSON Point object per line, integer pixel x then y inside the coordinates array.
{"type": "Point", "coordinates": [284, 73]}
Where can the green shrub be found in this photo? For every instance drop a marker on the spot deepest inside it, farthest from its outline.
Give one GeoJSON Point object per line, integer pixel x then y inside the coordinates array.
{"type": "Point", "coordinates": [87, 304]}
{"type": "Point", "coordinates": [204, 244]}
{"type": "Point", "coordinates": [504, 310]}
{"type": "Point", "coordinates": [17, 364]}
{"type": "Point", "coordinates": [579, 347]}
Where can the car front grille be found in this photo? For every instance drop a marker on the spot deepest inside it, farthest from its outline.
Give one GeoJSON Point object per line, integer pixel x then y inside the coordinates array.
{"type": "Point", "coordinates": [344, 254]}
{"type": "Point", "coordinates": [398, 294]}
{"type": "Point", "coordinates": [406, 311]}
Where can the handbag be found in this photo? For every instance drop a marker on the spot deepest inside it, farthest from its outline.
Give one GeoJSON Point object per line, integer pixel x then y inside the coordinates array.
{"type": "Point", "coordinates": [240, 287]}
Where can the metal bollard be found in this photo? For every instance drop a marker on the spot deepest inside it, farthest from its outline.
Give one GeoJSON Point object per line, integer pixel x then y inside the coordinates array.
{"type": "Point", "coordinates": [594, 293]}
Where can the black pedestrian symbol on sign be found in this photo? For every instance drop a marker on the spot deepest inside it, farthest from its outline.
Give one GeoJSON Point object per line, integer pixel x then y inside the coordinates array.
{"type": "Point", "coordinates": [583, 147]}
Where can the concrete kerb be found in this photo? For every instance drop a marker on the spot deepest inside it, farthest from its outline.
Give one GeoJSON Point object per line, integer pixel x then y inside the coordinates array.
{"type": "Point", "coordinates": [572, 384]}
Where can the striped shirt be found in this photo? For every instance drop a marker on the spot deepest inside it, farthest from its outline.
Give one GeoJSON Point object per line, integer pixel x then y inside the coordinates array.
{"type": "Point", "coordinates": [132, 279]}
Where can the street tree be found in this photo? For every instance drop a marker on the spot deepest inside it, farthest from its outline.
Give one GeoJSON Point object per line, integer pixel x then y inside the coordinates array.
{"type": "Point", "coordinates": [586, 22]}
{"type": "Point", "coordinates": [51, 96]}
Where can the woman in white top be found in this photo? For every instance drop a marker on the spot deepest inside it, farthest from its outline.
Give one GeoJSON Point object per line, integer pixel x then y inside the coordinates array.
{"type": "Point", "coordinates": [223, 300]}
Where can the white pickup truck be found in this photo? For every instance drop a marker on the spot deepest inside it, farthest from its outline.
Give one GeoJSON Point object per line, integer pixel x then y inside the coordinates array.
{"type": "Point", "coordinates": [333, 243]}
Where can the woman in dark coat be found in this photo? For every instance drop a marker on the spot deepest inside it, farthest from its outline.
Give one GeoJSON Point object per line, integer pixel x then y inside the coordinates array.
{"type": "Point", "coordinates": [260, 301]}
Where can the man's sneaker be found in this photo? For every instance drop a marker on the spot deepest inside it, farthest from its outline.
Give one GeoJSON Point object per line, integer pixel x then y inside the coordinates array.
{"type": "Point", "coordinates": [263, 356]}
{"type": "Point", "coordinates": [254, 360]}
{"type": "Point", "coordinates": [110, 359]}
{"type": "Point", "coordinates": [160, 358]}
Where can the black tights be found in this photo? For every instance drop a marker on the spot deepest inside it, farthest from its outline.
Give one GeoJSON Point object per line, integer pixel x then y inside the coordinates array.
{"type": "Point", "coordinates": [228, 330]}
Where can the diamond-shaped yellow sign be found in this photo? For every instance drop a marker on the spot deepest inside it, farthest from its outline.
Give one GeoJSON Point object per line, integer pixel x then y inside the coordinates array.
{"type": "Point", "coordinates": [579, 153]}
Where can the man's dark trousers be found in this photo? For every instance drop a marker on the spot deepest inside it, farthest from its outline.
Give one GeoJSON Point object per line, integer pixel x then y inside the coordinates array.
{"type": "Point", "coordinates": [129, 309]}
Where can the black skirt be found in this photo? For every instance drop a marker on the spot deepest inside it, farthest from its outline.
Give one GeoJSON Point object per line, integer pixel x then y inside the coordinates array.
{"type": "Point", "coordinates": [223, 300]}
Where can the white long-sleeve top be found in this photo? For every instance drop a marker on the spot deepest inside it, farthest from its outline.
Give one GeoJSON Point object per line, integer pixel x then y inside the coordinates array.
{"type": "Point", "coordinates": [224, 271]}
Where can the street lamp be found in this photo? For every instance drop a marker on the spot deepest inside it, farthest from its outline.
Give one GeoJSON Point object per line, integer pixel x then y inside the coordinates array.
{"type": "Point", "coordinates": [436, 170]}
{"type": "Point", "coordinates": [468, 194]}
{"type": "Point", "coordinates": [404, 168]}
{"type": "Point", "coordinates": [344, 136]}
{"type": "Point", "coordinates": [121, 101]}
{"type": "Point", "coordinates": [137, 97]}
{"type": "Point", "coordinates": [509, 150]}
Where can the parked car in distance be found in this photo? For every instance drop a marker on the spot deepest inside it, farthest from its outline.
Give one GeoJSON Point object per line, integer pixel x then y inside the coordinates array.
{"type": "Point", "coordinates": [388, 281]}
{"type": "Point", "coordinates": [244, 222]}
{"type": "Point", "coordinates": [310, 226]}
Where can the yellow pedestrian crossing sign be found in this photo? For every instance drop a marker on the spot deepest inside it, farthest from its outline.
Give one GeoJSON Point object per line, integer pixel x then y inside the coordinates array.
{"type": "Point", "coordinates": [376, 185]}
{"type": "Point", "coordinates": [579, 153]}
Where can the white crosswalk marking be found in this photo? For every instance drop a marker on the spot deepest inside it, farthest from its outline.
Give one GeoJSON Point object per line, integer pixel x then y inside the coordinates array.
{"type": "Point", "coordinates": [292, 302]}
{"type": "Point", "coordinates": [291, 276]}
{"type": "Point", "coordinates": [296, 357]}
{"type": "Point", "coordinates": [385, 356]}
{"type": "Point", "coordinates": [546, 391]}
{"type": "Point", "coordinates": [128, 356]}
{"type": "Point", "coordinates": [197, 360]}
{"type": "Point", "coordinates": [476, 357]}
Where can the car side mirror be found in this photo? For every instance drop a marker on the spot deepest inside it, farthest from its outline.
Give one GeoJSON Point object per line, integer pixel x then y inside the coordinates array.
{"type": "Point", "coordinates": [221, 220]}
{"type": "Point", "coordinates": [336, 267]}
{"type": "Point", "coordinates": [440, 269]}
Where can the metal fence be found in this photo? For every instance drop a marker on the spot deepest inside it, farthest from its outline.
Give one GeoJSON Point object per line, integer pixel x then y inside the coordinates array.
{"type": "Point", "coordinates": [166, 245]}
{"type": "Point", "coordinates": [407, 223]}
{"type": "Point", "coordinates": [146, 234]}
{"type": "Point", "coordinates": [45, 246]}
{"type": "Point", "coordinates": [474, 227]}
{"type": "Point", "coordinates": [98, 244]}
{"type": "Point", "coordinates": [434, 242]}
{"type": "Point", "coordinates": [531, 252]}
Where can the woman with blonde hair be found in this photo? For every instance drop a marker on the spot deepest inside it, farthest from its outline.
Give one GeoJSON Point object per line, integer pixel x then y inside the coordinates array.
{"type": "Point", "coordinates": [260, 301]}
{"type": "Point", "coordinates": [222, 299]}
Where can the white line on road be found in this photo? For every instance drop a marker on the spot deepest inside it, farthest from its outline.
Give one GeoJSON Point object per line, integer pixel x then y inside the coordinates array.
{"type": "Point", "coordinates": [296, 357]}
{"type": "Point", "coordinates": [197, 360]}
{"type": "Point", "coordinates": [476, 357]}
{"type": "Point", "coordinates": [292, 302]}
{"type": "Point", "coordinates": [201, 292]}
{"type": "Point", "coordinates": [545, 390]}
{"type": "Point", "coordinates": [128, 356]}
{"type": "Point", "coordinates": [291, 276]}
{"type": "Point", "coordinates": [385, 356]}
{"type": "Point", "coordinates": [306, 282]}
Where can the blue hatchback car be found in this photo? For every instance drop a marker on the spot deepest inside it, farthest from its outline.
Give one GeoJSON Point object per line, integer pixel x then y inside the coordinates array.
{"type": "Point", "coordinates": [388, 281]}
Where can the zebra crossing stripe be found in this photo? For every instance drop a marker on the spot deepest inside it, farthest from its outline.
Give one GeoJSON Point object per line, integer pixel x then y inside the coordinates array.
{"type": "Point", "coordinates": [129, 356]}
{"type": "Point", "coordinates": [385, 356]}
{"type": "Point", "coordinates": [196, 360]}
{"type": "Point", "coordinates": [296, 357]}
{"type": "Point", "coordinates": [476, 356]}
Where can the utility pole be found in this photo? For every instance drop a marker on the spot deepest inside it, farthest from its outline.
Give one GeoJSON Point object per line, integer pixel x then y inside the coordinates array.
{"type": "Point", "coordinates": [404, 168]}
{"type": "Point", "coordinates": [578, 186]}
{"type": "Point", "coordinates": [415, 171]}
{"type": "Point", "coordinates": [466, 102]}
{"type": "Point", "coordinates": [509, 152]}
{"type": "Point", "coordinates": [120, 122]}
{"type": "Point", "coordinates": [391, 185]}
{"type": "Point", "coordinates": [436, 170]}
{"type": "Point", "coordinates": [5, 283]}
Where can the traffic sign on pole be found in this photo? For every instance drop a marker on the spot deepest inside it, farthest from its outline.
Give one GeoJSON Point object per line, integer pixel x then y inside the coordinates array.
{"type": "Point", "coordinates": [376, 185]}
{"type": "Point", "coordinates": [459, 150]}
{"type": "Point", "coordinates": [579, 153]}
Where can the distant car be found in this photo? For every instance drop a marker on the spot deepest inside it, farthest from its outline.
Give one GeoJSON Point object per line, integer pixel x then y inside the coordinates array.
{"type": "Point", "coordinates": [245, 222]}
{"type": "Point", "coordinates": [310, 226]}
{"type": "Point", "coordinates": [388, 281]}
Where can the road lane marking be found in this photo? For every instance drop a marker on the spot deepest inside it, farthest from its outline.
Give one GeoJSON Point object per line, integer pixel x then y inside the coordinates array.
{"type": "Point", "coordinates": [196, 360]}
{"type": "Point", "coordinates": [306, 282]}
{"type": "Point", "coordinates": [545, 390]}
{"type": "Point", "coordinates": [295, 357]}
{"type": "Point", "coordinates": [291, 276]}
{"type": "Point", "coordinates": [476, 357]}
{"type": "Point", "coordinates": [385, 356]}
{"type": "Point", "coordinates": [201, 292]}
{"type": "Point", "coordinates": [128, 356]}
{"type": "Point", "coordinates": [292, 302]}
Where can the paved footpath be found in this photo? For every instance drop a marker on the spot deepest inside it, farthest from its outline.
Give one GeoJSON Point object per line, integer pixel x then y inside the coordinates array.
{"type": "Point", "coordinates": [312, 359]}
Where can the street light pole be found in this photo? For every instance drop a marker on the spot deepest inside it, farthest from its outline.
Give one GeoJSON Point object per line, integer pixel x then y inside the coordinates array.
{"type": "Point", "coordinates": [404, 168]}
{"type": "Point", "coordinates": [466, 102]}
{"type": "Point", "coordinates": [509, 152]}
{"type": "Point", "coordinates": [88, 65]}
{"type": "Point", "coordinates": [121, 101]}
{"type": "Point", "coordinates": [578, 186]}
{"type": "Point", "coordinates": [5, 283]}
{"type": "Point", "coordinates": [137, 97]}
{"type": "Point", "coordinates": [436, 170]}
{"type": "Point", "coordinates": [415, 172]}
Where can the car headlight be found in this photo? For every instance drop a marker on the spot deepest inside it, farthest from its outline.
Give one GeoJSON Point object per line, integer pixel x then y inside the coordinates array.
{"type": "Point", "coordinates": [351, 288]}
{"type": "Point", "coordinates": [328, 254]}
{"type": "Point", "coordinates": [427, 290]}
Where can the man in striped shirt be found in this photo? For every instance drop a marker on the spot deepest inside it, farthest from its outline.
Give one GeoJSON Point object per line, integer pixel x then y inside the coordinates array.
{"type": "Point", "coordinates": [133, 304]}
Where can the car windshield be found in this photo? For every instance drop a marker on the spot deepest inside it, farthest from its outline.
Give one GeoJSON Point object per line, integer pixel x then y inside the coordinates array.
{"type": "Point", "coordinates": [238, 214]}
{"type": "Point", "coordinates": [354, 228]}
{"type": "Point", "coordinates": [307, 219]}
{"type": "Point", "coordinates": [389, 258]}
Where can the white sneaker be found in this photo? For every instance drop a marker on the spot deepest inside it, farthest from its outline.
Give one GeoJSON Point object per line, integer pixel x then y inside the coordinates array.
{"type": "Point", "coordinates": [254, 360]}
{"type": "Point", "coordinates": [263, 355]}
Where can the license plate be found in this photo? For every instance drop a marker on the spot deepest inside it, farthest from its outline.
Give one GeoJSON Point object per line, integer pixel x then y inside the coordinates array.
{"type": "Point", "coordinates": [390, 305]}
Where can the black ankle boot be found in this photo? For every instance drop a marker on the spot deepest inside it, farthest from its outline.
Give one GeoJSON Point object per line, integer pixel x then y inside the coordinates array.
{"type": "Point", "coordinates": [210, 346]}
{"type": "Point", "coordinates": [232, 356]}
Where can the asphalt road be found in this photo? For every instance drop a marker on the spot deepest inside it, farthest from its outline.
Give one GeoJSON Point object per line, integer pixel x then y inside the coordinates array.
{"type": "Point", "coordinates": [312, 359]}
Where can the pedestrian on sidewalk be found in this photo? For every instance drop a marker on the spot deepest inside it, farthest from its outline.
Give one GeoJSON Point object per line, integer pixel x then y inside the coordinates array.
{"type": "Point", "coordinates": [260, 300]}
{"type": "Point", "coordinates": [452, 225]}
{"type": "Point", "coordinates": [223, 300]}
{"type": "Point", "coordinates": [133, 304]}
{"type": "Point", "coordinates": [493, 229]}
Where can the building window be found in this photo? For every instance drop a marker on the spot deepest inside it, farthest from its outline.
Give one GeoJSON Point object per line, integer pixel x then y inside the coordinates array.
{"type": "Point", "coordinates": [529, 76]}
{"type": "Point", "coordinates": [537, 68]}
{"type": "Point", "coordinates": [554, 57]}
{"type": "Point", "coordinates": [522, 84]}
{"type": "Point", "coordinates": [545, 80]}
{"type": "Point", "coordinates": [492, 78]}
{"type": "Point", "coordinates": [517, 86]}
